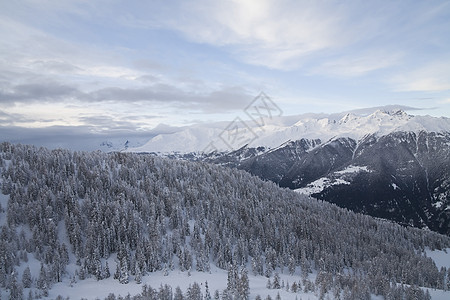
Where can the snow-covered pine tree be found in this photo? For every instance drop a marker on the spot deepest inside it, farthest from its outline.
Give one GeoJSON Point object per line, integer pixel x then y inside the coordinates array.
{"type": "Point", "coordinates": [243, 288]}
{"type": "Point", "coordinates": [16, 289]}
{"type": "Point", "coordinates": [26, 278]}
{"type": "Point", "coordinates": [178, 294]}
{"type": "Point", "coordinates": [123, 271]}
{"type": "Point", "coordinates": [207, 292]}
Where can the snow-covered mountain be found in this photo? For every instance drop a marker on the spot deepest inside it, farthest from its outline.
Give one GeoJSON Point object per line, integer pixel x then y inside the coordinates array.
{"type": "Point", "coordinates": [278, 131]}
{"type": "Point", "coordinates": [385, 163]}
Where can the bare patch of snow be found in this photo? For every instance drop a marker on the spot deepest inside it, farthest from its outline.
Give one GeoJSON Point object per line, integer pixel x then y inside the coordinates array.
{"type": "Point", "coordinates": [395, 187]}
{"type": "Point", "coordinates": [353, 169]}
{"type": "Point", "coordinates": [438, 204]}
{"type": "Point", "coordinates": [319, 185]}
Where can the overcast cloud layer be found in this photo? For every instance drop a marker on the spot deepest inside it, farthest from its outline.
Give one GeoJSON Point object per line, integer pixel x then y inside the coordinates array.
{"type": "Point", "coordinates": [120, 68]}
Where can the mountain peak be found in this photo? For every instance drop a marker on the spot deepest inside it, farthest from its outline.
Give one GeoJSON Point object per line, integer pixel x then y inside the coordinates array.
{"type": "Point", "coordinates": [347, 118]}
{"type": "Point", "coordinates": [398, 113]}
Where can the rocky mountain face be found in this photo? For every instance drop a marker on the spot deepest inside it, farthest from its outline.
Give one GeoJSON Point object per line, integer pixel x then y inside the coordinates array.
{"type": "Point", "coordinates": [399, 171]}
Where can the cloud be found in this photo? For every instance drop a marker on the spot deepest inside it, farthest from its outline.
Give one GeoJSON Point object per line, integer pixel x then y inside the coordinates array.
{"type": "Point", "coordinates": [57, 67]}
{"type": "Point", "coordinates": [37, 92]}
{"type": "Point", "coordinates": [221, 100]}
{"type": "Point", "coordinates": [358, 65]}
{"type": "Point", "coordinates": [103, 123]}
{"type": "Point", "coordinates": [288, 34]}
{"type": "Point", "coordinates": [269, 33]}
{"type": "Point", "coordinates": [432, 77]}
{"type": "Point", "coordinates": [37, 67]}
{"type": "Point", "coordinates": [10, 119]}
{"type": "Point", "coordinates": [392, 107]}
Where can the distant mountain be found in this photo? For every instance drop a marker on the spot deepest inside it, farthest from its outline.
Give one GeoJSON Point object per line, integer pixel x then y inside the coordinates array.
{"type": "Point", "coordinates": [386, 163]}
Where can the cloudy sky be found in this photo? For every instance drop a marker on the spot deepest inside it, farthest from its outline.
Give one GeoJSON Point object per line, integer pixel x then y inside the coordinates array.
{"type": "Point", "coordinates": [112, 68]}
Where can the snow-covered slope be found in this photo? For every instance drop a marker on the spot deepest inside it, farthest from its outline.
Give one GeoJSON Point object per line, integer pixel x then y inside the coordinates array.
{"type": "Point", "coordinates": [209, 137]}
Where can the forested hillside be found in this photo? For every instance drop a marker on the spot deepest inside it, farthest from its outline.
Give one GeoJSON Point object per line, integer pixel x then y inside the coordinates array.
{"type": "Point", "coordinates": [81, 208]}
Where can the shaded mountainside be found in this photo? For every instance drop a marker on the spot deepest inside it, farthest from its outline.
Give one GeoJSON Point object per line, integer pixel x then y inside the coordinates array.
{"type": "Point", "coordinates": [407, 179]}
{"type": "Point", "coordinates": [402, 176]}
{"type": "Point", "coordinates": [79, 209]}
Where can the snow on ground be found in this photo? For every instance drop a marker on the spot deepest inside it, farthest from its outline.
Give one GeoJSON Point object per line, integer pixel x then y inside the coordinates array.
{"type": "Point", "coordinates": [319, 185]}
{"type": "Point", "coordinates": [441, 258]}
{"type": "Point", "coordinates": [437, 204]}
{"type": "Point", "coordinates": [217, 280]}
{"type": "Point", "coordinates": [353, 169]}
{"type": "Point", "coordinates": [438, 294]}
{"type": "Point", "coordinates": [324, 182]}
{"type": "Point", "coordinates": [394, 186]}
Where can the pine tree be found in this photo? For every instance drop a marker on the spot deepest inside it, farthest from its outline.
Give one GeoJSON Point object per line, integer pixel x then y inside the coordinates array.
{"type": "Point", "coordinates": [138, 277]}
{"type": "Point", "coordinates": [269, 270]}
{"type": "Point", "coordinates": [276, 281]}
{"type": "Point", "coordinates": [42, 281]}
{"type": "Point", "coordinates": [232, 278]}
{"type": "Point", "coordinates": [178, 294]}
{"type": "Point", "coordinates": [294, 287]}
{"type": "Point", "coordinates": [194, 292]}
{"type": "Point", "coordinates": [26, 278]}
{"type": "Point", "coordinates": [117, 272]}
{"type": "Point", "coordinates": [123, 271]}
{"type": "Point", "coordinates": [292, 265]}
{"type": "Point", "coordinates": [207, 293]}
{"type": "Point", "coordinates": [427, 295]}
{"type": "Point", "coordinates": [98, 270]}
{"type": "Point", "coordinates": [269, 284]}
{"type": "Point", "coordinates": [16, 289]}
{"type": "Point", "coordinates": [243, 285]}
{"type": "Point", "coordinates": [111, 296]}
{"type": "Point", "coordinates": [165, 292]}
{"type": "Point", "coordinates": [82, 272]}
{"type": "Point", "coordinates": [106, 273]}
{"type": "Point", "coordinates": [148, 292]}
{"type": "Point", "coordinates": [227, 295]}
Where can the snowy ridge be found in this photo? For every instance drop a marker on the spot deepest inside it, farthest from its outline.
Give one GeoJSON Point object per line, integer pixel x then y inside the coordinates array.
{"type": "Point", "coordinates": [278, 131]}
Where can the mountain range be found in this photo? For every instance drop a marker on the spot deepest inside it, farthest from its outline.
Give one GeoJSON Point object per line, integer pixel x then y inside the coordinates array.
{"type": "Point", "coordinates": [382, 162]}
